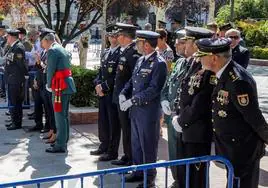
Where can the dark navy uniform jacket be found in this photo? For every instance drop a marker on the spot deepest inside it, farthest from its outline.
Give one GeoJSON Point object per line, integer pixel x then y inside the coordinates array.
{"type": "Point", "coordinates": [240, 129]}
{"type": "Point", "coordinates": [194, 104]}
{"type": "Point", "coordinates": [126, 64]}
{"type": "Point", "coordinates": [16, 67]}
{"type": "Point", "coordinates": [145, 86]}
{"type": "Point", "coordinates": [107, 70]}
{"type": "Point", "coordinates": [241, 56]}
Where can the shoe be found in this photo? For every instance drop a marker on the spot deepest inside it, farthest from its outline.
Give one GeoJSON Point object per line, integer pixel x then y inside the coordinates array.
{"type": "Point", "coordinates": [133, 178]}
{"type": "Point", "coordinates": [35, 128]}
{"type": "Point", "coordinates": [8, 120]}
{"type": "Point", "coordinates": [13, 127]}
{"type": "Point", "coordinates": [55, 150]}
{"type": "Point", "coordinates": [97, 152]}
{"type": "Point", "coordinates": [107, 157]}
{"type": "Point", "coordinates": [149, 184]}
{"type": "Point", "coordinates": [45, 130]}
{"type": "Point", "coordinates": [3, 95]}
{"type": "Point", "coordinates": [8, 124]}
{"type": "Point", "coordinates": [122, 162]}
{"type": "Point", "coordinates": [7, 113]}
{"type": "Point", "coordinates": [31, 117]}
{"type": "Point", "coordinates": [30, 113]}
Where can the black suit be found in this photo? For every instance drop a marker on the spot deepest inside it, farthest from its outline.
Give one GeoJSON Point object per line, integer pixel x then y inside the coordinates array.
{"type": "Point", "coordinates": [241, 56]}
{"type": "Point", "coordinates": [194, 112]}
{"type": "Point", "coordinates": [109, 127]}
{"type": "Point", "coordinates": [127, 62]}
{"type": "Point", "coordinates": [240, 130]}
{"type": "Point", "coordinates": [15, 71]}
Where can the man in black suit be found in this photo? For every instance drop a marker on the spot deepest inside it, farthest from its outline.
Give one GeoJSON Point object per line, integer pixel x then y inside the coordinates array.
{"type": "Point", "coordinates": [239, 54]}
{"type": "Point", "coordinates": [239, 127]}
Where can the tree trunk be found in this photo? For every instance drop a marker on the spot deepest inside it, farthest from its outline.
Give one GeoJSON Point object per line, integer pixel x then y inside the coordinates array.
{"type": "Point", "coordinates": [160, 14]}
{"type": "Point", "coordinates": [104, 21]}
{"type": "Point", "coordinates": [211, 13]}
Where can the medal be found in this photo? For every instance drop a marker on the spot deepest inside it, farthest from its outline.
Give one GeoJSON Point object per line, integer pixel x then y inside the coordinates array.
{"type": "Point", "coordinates": [110, 69]}
{"type": "Point", "coordinates": [222, 113]}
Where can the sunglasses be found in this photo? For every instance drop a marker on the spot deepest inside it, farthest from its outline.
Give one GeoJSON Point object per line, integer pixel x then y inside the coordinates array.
{"type": "Point", "coordinates": [234, 37]}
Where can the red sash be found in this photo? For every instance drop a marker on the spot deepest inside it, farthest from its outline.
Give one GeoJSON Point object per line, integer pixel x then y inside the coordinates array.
{"type": "Point", "coordinates": [58, 85]}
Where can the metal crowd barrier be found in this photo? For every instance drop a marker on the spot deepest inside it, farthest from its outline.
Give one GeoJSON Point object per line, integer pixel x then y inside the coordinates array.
{"type": "Point", "coordinates": [6, 105]}
{"type": "Point", "coordinates": [123, 170]}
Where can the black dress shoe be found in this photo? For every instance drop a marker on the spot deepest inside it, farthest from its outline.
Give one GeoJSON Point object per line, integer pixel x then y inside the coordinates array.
{"type": "Point", "coordinates": [55, 150]}
{"type": "Point", "coordinates": [44, 130]}
{"type": "Point", "coordinates": [30, 113]}
{"type": "Point", "coordinates": [7, 113]}
{"type": "Point", "coordinates": [133, 178]}
{"type": "Point", "coordinates": [122, 162]}
{"type": "Point", "coordinates": [149, 184]}
{"type": "Point", "coordinates": [97, 152]}
{"type": "Point", "coordinates": [31, 117]}
{"type": "Point", "coordinates": [107, 157]}
{"type": "Point", "coordinates": [8, 124]}
{"type": "Point", "coordinates": [13, 127]}
{"type": "Point", "coordinates": [8, 120]}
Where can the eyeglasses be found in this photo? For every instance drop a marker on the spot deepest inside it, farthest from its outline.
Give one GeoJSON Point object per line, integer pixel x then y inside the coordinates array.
{"type": "Point", "coordinates": [234, 37]}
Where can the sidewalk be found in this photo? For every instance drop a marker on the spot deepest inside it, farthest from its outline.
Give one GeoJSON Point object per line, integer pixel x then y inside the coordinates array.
{"type": "Point", "coordinates": [22, 154]}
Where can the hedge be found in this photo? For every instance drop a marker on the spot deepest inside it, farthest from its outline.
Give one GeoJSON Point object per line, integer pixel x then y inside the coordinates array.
{"type": "Point", "coordinates": [259, 53]}
{"type": "Point", "coordinates": [85, 95]}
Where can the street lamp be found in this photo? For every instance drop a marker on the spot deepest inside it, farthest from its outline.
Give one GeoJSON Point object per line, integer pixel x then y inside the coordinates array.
{"type": "Point", "coordinates": [232, 10]}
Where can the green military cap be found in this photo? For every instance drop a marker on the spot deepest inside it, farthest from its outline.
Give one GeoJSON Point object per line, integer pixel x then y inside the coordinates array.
{"type": "Point", "coordinates": [208, 46]}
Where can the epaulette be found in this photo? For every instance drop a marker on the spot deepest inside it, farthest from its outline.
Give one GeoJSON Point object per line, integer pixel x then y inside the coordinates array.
{"type": "Point", "coordinates": [233, 75]}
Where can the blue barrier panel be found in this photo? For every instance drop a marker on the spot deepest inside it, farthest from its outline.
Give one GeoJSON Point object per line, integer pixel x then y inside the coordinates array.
{"type": "Point", "coordinates": [123, 170]}
{"type": "Point", "coordinates": [6, 105]}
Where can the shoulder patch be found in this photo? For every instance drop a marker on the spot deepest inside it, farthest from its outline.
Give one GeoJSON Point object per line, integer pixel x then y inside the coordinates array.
{"type": "Point", "coordinates": [19, 56]}
{"type": "Point", "coordinates": [233, 76]}
{"type": "Point", "coordinates": [243, 100]}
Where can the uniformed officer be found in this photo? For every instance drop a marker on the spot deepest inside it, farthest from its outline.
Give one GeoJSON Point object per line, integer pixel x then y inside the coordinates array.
{"type": "Point", "coordinates": [240, 54]}
{"type": "Point", "coordinates": [3, 42]}
{"type": "Point", "coordinates": [193, 110]}
{"type": "Point", "coordinates": [16, 71]}
{"type": "Point", "coordinates": [224, 28]}
{"type": "Point", "coordinates": [109, 127]}
{"type": "Point", "coordinates": [168, 104]}
{"type": "Point", "coordinates": [61, 84]}
{"type": "Point", "coordinates": [190, 22]}
{"type": "Point", "coordinates": [161, 24]}
{"type": "Point", "coordinates": [143, 97]}
{"type": "Point", "coordinates": [127, 61]}
{"type": "Point", "coordinates": [171, 40]}
{"type": "Point", "coordinates": [240, 130]}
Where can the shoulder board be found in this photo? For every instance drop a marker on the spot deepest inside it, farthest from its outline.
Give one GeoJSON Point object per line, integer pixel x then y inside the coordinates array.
{"type": "Point", "coordinates": [233, 75]}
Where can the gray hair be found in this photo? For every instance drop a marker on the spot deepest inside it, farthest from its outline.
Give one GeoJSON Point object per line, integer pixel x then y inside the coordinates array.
{"type": "Point", "coordinates": [233, 31]}
{"type": "Point", "coordinates": [226, 55]}
{"type": "Point", "coordinates": [148, 26]}
{"type": "Point", "coordinates": [50, 37]}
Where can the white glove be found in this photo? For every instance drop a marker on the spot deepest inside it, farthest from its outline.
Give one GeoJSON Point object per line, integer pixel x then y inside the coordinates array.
{"type": "Point", "coordinates": [26, 77]}
{"type": "Point", "coordinates": [176, 125]}
{"type": "Point", "coordinates": [48, 89]}
{"type": "Point", "coordinates": [126, 105]}
{"type": "Point", "coordinates": [165, 107]}
{"type": "Point", "coordinates": [122, 99]}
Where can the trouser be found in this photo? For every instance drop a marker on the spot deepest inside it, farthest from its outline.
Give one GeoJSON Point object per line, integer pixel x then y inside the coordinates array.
{"type": "Point", "coordinates": [248, 174]}
{"type": "Point", "coordinates": [144, 141]}
{"type": "Point", "coordinates": [16, 95]}
{"type": "Point", "coordinates": [175, 148]}
{"type": "Point", "coordinates": [126, 130]}
{"type": "Point", "coordinates": [197, 171]}
{"type": "Point", "coordinates": [62, 122]}
{"type": "Point", "coordinates": [38, 108]}
{"type": "Point", "coordinates": [109, 126]}
{"type": "Point", "coordinates": [49, 112]}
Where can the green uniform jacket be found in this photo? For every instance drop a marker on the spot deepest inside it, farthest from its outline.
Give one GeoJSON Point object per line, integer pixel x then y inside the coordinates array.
{"type": "Point", "coordinates": [172, 84]}
{"type": "Point", "coordinates": [59, 59]}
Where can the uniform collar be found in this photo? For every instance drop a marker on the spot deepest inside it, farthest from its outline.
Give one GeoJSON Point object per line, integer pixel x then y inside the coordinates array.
{"type": "Point", "coordinates": [146, 57]}
{"type": "Point", "coordinates": [52, 45]}
{"type": "Point", "coordinates": [112, 50]}
{"type": "Point", "coordinates": [14, 43]}
{"type": "Point", "coordinates": [219, 73]}
{"type": "Point", "coordinates": [122, 49]}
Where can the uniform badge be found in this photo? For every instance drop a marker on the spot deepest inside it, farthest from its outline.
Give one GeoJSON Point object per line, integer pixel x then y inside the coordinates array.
{"type": "Point", "coordinates": [222, 113]}
{"type": "Point", "coordinates": [243, 100]}
{"type": "Point", "coordinates": [10, 56]}
{"type": "Point", "coordinates": [121, 67]}
{"type": "Point", "coordinates": [222, 97]}
{"type": "Point", "coordinates": [110, 69]}
{"type": "Point", "coordinates": [19, 56]}
{"type": "Point", "coordinates": [194, 82]}
{"type": "Point", "coordinates": [213, 80]}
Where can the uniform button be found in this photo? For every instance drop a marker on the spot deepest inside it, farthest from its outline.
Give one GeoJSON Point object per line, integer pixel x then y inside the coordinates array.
{"type": "Point", "coordinates": [173, 85]}
{"type": "Point", "coordinates": [212, 120]}
{"type": "Point", "coordinates": [233, 140]}
{"type": "Point", "coordinates": [146, 102]}
{"type": "Point", "coordinates": [213, 101]}
{"type": "Point", "coordinates": [180, 90]}
{"type": "Point", "coordinates": [212, 110]}
{"type": "Point", "coordinates": [214, 130]}
{"type": "Point", "coordinates": [186, 125]}
{"type": "Point", "coordinates": [134, 89]}
{"type": "Point", "coordinates": [137, 74]}
{"type": "Point", "coordinates": [135, 81]}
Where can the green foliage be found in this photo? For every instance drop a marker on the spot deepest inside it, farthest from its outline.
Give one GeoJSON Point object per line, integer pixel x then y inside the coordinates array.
{"type": "Point", "coordinates": [85, 95]}
{"type": "Point", "coordinates": [259, 53]}
{"type": "Point", "coordinates": [243, 9]}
